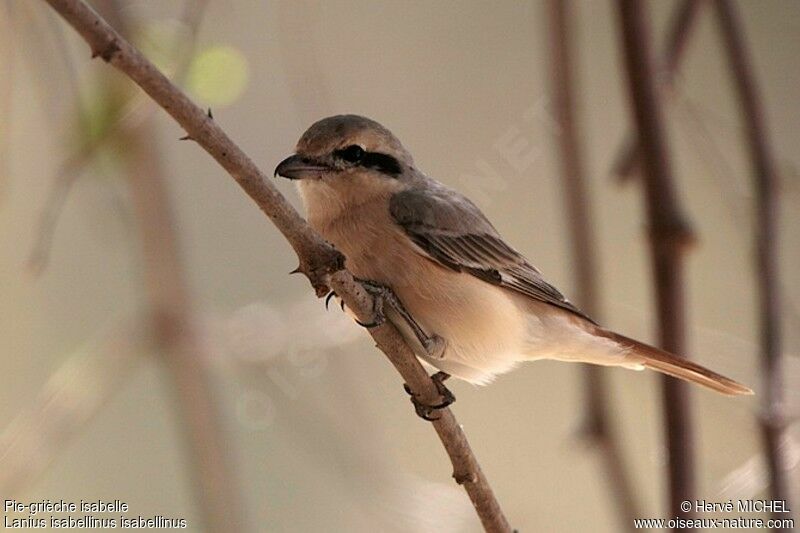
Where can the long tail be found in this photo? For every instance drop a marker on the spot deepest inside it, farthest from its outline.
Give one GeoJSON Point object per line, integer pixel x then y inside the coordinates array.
{"type": "Point", "coordinates": [677, 367]}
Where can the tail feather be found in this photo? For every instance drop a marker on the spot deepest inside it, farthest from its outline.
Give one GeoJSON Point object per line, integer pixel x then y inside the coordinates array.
{"type": "Point", "coordinates": [677, 367]}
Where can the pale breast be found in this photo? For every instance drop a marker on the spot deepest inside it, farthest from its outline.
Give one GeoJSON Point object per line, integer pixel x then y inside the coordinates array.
{"type": "Point", "coordinates": [375, 247]}
{"type": "Point", "coordinates": [482, 323]}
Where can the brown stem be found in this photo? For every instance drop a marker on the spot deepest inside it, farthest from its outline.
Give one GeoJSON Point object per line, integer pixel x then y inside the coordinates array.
{"type": "Point", "coordinates": [173, 327]}
{"type": "Point", "coordinates": [318, 260]}
{"type": "Point", "coordinates": [670, 233]}
{"type": "Point", "coordinates": [680, 29]}
{"type": "Point", "coordinates": [584, 257]}
{"type": "Point", "coordinates": [765, 184]}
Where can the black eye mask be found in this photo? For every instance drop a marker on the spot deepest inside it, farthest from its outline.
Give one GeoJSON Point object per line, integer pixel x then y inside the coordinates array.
{"type": "Point", "coordinates": [357, 156]}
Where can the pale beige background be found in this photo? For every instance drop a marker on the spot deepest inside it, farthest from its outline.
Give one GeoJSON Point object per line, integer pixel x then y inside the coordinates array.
{"type": "Point", "coordinates": [322, 434]}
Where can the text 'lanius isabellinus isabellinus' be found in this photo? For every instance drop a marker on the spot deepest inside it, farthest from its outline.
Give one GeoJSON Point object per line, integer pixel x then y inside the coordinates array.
{"type": "Point", "coordinates": [469, 304]}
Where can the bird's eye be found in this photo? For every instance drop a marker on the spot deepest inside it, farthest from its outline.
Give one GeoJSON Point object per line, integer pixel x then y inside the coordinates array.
{"type": "Point", "coordinates": [351, 154]}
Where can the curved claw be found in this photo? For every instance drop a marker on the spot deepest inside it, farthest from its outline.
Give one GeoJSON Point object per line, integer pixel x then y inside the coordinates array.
{"type": "Point", "coordinates": [370, 325]}
{"type": "Point", "coordinates": [424, 411]}
{"type": "Point", "coordinates": [328, 299]}
{"type": "Point", "coordinates": [445, 403]}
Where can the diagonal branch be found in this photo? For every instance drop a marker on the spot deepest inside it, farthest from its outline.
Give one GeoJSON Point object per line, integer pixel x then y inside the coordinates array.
{"type": "Point", "coordinates": [597, 425]}
{"type": "Point", "coordinates": [670, 236]}
{"type": "Point", "coordinates": [765, 183]}
{"type": "Point", "coordinates": [680, 29]}
{"type": "Point", "coordinates": [319, 261]}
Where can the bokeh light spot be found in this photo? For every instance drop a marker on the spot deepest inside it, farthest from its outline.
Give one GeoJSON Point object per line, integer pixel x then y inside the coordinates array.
{"type": "Point", "coordinates": [218, 75]}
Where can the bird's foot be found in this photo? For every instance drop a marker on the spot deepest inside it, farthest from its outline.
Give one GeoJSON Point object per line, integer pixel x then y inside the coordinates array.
{"type": "Point", "coordinates": [378, 315]}
{"type": "Point", "coordinates": [425, 411]}
{"type": "Point", "coordinates": [379, 295]}
{"type": "Point", "coordinates": [434, 345]}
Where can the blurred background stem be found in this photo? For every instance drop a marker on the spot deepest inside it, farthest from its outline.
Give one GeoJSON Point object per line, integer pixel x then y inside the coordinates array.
{"type": "Point", "coordinates": [597, 426]}
{"type": "Point", "coordinates": [681, 25]}
{"type": "Point", "coordinates": [174, 330]}
{"type": "Point", "coordinates": [773, 415]}
{"type": "Point", "coordinates": [670, 236]}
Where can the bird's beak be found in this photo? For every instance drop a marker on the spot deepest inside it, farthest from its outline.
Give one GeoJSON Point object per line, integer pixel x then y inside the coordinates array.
{"type": "Point", "coordinates": [296, 167]}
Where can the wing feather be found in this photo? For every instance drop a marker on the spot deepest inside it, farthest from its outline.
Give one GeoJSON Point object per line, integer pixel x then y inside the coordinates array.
{"type": "Point", "coordinates": [452, 231]}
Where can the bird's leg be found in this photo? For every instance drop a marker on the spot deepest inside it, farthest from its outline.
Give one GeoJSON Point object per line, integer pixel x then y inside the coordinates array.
{"type": "Point", "coordinates": [433, 344]}
{"type": "Point", "coordinates": [425, 411]}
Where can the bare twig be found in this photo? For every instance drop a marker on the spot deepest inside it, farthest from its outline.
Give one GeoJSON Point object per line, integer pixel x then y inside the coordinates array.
{"type": "Point", "coordinates": [765, 184]}
{"type": "Point", "coordinates": [133, 112]}
{"type": "Point", "coordinates": [680, 29]}
{"type": "Point", "coordinates": [670, 235]}
{"type": "Point", "coordinates": [319, 261]}
{"type": "Point", "coordinates": [66, 176]}
{"type": "Point", "coordinates": [597, 425]}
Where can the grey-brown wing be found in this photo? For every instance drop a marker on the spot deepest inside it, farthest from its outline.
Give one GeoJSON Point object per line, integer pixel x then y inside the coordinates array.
{"type": "Point", "coordinates": [452, 231]}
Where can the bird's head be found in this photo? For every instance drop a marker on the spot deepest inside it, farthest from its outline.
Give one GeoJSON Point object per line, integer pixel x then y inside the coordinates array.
{"type": "Point", "coordinates": [344, 159]}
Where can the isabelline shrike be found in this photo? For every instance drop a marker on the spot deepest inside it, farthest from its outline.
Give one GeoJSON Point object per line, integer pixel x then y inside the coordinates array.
{"type": "Point", "coordinates": [469, 304]}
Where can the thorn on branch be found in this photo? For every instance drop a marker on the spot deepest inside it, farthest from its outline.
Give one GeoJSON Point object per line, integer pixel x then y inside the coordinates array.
{"type": "Point", "coordinates": [319, 267]}
{"type": "Point", "coordinates": [210, 115]}
{"type": "Point", "coordinates": [108, 52]}
{"type": "Point", "coordinates": [186, 137]}
{"type": "Point", "coordinates": [465, 477]}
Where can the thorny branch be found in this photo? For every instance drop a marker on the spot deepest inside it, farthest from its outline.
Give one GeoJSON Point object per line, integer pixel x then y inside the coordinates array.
{"type": "Point", "coordinates": [670, 236]}
{"type": "Point", "coordinates": [765, 184]}
{"type": "Point", "coordinates": [319, 261]}
{"type": "Point", "coordinates": [597, 426]}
